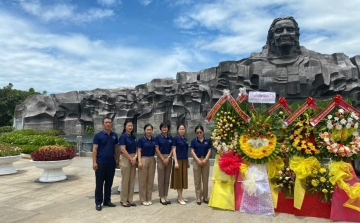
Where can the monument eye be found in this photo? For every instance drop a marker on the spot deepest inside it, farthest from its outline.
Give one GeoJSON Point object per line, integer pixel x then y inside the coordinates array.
{"type": "Point", "coordinates": [279, 30]}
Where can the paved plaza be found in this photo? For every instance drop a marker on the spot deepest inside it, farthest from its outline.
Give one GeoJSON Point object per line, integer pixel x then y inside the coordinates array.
{"type": "Point", "coordinates": [24, 199]}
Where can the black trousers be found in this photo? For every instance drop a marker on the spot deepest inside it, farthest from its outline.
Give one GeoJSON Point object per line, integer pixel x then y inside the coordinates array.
{"type": "Point", "coordinates": [104, 174]}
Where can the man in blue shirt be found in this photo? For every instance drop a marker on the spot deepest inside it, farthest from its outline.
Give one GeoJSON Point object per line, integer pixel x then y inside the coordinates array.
{"type": "Point", "coordinates": [105, 156]}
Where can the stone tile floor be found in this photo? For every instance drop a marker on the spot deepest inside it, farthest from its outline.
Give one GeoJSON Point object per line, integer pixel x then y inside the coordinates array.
{"type": "Point", "coordinates": [24, 199]}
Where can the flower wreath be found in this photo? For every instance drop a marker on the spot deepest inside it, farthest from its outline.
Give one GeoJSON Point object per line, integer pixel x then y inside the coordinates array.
{"type": "Point", "coordinates": [259, 144]}
{"type": "Point", "coordinates": [340, 139]}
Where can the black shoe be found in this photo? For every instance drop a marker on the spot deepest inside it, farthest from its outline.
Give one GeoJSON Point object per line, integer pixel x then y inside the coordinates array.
{"type": "Point", "coordinates": [205, 201]}
{"type": "Point", "coordinates": [164, 203]}
{"type": "Point", "coordinates": [168, 202]}
{"type": "Point", "coordinates": [132, 204]}
{"type": "Point", "coordinates": [98, 207]}
{"type": "Point", "coordinates": [109, 204]}
{"type": "Point", "coordinates": [125, 205]}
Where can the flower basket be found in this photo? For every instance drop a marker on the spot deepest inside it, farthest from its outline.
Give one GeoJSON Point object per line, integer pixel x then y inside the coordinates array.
{"type": "Point", "coordinates": [52, 159]}
{"type": "Point", "coordinates": [8, 155]}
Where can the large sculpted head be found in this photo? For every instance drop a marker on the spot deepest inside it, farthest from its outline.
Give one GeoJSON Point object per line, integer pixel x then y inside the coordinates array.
{"type": "Point", "coordinates": [283, 37]}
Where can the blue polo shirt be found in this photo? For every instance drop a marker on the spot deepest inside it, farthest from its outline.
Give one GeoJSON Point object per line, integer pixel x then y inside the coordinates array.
{"type": "Point", "coordinates": [200, 148]}
{"type": "Point", "coordinates": [164, 143]}
{"type": "Point", "coordinates": [106, 147]}
{"type": "Point", "coordinates": [182, 147]}
{"type": "Point", "coordinates": [147, 146]}
{"type": "Point", "coordinates": [129, 141]}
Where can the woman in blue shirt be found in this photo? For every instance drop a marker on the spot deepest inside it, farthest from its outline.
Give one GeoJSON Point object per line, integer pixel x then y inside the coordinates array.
{"type": "Point", "coordinates": [201, 151]}
{"type": "Point", "coordinates": [146, 152]}
{"type": "Point", "coordinates": [179, 174]}
{"type": "Point", "coordinates": [127, 142]}
{"type": "Point", "coordinates": [163, 150]}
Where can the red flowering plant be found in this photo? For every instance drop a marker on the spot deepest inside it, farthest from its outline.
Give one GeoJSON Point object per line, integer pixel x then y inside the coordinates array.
{"type": "Point", "coordinates": [53, 153]}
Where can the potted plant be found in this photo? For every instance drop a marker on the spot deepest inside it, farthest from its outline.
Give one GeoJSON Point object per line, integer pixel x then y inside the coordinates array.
{"type": "Point", "coordinates": [8, 155]}
{"type": "Point", "coordinates": [52, 159]}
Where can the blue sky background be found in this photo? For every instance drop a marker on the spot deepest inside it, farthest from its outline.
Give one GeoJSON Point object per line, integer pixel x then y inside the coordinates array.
{"type": "Point", "coordinates": [67, 45]}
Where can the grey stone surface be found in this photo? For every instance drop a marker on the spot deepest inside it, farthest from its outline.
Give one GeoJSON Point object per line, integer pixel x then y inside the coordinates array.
{"type": "Point", "coordinates": [283, 66]}
{"type": "Point", "coordinates": [24, 199]}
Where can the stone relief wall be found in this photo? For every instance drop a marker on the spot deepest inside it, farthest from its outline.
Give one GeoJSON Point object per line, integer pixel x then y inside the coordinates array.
{"type": "Point", "coordinates": [283, 66]}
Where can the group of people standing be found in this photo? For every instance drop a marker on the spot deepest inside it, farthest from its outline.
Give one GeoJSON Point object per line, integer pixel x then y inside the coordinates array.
{"type": "Point", "coordinates": [172, 163]}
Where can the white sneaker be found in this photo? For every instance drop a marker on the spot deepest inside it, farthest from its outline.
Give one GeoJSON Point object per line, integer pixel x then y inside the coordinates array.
{"type": "Point", "coordinates": [145, 203]}
{"type": "Point", "coordinates": [149, 202]}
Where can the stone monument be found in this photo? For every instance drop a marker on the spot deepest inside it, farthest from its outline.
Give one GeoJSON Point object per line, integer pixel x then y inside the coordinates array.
{"type": "Point", "coordinates": [283, 66]}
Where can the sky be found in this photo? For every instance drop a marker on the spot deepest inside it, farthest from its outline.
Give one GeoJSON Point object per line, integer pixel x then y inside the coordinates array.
{"type": "Point", "coordinates": [72, 45]}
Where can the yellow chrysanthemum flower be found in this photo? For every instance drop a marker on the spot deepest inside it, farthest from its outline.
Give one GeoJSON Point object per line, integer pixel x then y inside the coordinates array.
{"type": "Point", "coordinates": [322, 179]}
{"type": "Point", "coordinates": [322, 170]}
{"type": "Point", "coordinates": [314, 182]}
{"type": "Point", "coordinates": [257, 153]}
{"type": "Point", "coordinates": [325, 191]}
{"type": "Point", "coordinates": [314, 171]}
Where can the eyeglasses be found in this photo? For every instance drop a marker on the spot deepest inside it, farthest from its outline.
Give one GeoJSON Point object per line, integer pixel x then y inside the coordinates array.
{"type": "Point", "coordinates": [199, 133]}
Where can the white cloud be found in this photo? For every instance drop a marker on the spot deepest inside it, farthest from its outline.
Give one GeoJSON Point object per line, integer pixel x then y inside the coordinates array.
{"type": "Point", "coordinates": [63, 12]}
{"type": "Point", "coordinates": [59, 63]}
{"type": "Point", "coordinates": [109, 2]}
{"type": "Point", "coordinates": [145, 2]}
{"type": "Point", "coordinates": [185, 22]}
{"type": "Point", "coordinates": [179, 2]}
{"type": "Point", "coordinates": [326, 26]}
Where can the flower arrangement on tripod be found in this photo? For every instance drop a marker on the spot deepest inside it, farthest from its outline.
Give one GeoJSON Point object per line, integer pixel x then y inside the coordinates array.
{"type": "Point", "coordinates": [303, 137]}
{"type": "Point", "coordinates": [339, 135]}
{"type": "Point", "coordinates": [225, 134]}
{"type": "Point", "coordinates": [258, 143]}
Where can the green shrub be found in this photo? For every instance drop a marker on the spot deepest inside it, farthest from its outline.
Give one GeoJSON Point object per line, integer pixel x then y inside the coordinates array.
{"type": "Point", "coordinates": [89, 129]}
{"type": "Point", "coordinates": [30, 140]}
{"type": "Point", "coordinates": [34, 132]}
{"type": "Point", "coordinates": [6, 129]}
{"type": "Point", "coordinates": [28, 149]}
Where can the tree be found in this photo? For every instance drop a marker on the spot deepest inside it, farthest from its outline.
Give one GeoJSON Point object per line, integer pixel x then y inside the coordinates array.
{"type": "Point", "coordinates": [9, 98]}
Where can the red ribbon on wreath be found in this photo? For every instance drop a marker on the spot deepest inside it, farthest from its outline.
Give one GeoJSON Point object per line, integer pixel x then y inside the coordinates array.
{"type": "Point", "coordinates": [230, 163]}
{"type": "Point", "coordinates": [242, 114]}
{"type": "Point", "coordinates": [280, 104]}
{"type": "Point", "coordinates": [226, 97]}
{"type": "Point", "coordinates": [310, 103]}
{"type": "Point", "coordinates": [243, 97]}
{"type": "Point", "coordinates": [216, 108]}
{"type": "Point", "coordinates": [337, 101]}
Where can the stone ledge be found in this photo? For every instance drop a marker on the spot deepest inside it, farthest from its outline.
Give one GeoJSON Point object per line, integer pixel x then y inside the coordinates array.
{"type": "Point", "coordinates": [26, 156]}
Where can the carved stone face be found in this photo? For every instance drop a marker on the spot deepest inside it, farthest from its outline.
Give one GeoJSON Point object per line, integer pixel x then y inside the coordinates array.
{"type": "Point", "coordinates": [284, 33]}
